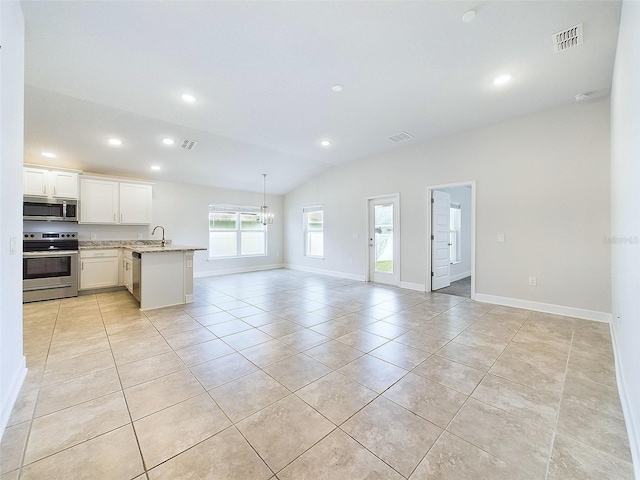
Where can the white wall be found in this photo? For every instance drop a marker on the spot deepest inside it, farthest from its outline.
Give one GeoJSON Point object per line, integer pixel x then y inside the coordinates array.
{"type": "Point", "coordinates": [462, 196]}
{"type": "Point", "coordinates": [543, 181]}
{"type": "Point", "coordinates": [12, 361]}
{"type": "Point", "coordinates": [625, 219]}
{"type": "Point", "coordinates": [184, 212]}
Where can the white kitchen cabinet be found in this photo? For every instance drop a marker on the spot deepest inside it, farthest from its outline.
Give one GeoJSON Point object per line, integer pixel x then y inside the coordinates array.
{"type": "Point", "coordinates": [105, 201]}
{"type": "Point", "coordinates": [65, 184]}
{"type": "Point", "coordinates": [99, 268]}
{"type": "Point", "coordinates": [135, 203]}
{"type": "Point", "coordinates": [43, 182]}
{"type": "Point", "coordinates": [35, 181]}
{"type": "Point", "coordinates": [98, 201]}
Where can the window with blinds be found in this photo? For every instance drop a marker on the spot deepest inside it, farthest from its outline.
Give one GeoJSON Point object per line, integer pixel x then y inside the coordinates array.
{"type": "Point", "coordinates": [313, 224]}
{"type": "Point", "coordinates": [236, 231]}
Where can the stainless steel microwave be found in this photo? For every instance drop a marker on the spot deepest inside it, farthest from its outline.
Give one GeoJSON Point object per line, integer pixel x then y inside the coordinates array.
{"type": "Point", "coordinates": [49, 209]}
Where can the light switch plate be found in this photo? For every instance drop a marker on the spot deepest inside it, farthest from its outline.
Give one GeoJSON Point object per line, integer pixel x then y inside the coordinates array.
{"type": "Point", "coordinates": [12, 245]}
{"type": "Point", "coordinates": [501, 238]}
{"type": "Point", "coordinates": [94, 236]}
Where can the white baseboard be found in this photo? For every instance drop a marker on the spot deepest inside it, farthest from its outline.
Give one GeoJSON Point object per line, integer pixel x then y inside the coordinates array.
{"type": "Point", "coordinates": [227, 271]}
{"type": "Point", "coordinates": [545, 307]}
{"type": "Point", "coordinates": [459, 276]}
{"type": "Point", "coordinates": [331, 273]}
{"type": "Point", "coordinates": [418, 287]}
{"type": "Point", "coordinates": [630, 415]}
{"type": "Point", "coordinates": [12, 394]}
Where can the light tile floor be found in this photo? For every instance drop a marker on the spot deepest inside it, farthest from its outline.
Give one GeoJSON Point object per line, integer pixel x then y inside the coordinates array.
{"type": "Point", "coordinates": [289, 375]}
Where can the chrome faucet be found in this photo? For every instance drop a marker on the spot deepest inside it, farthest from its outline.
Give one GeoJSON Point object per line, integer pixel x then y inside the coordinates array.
{"type": "Point", "coordinates": [154, 231]}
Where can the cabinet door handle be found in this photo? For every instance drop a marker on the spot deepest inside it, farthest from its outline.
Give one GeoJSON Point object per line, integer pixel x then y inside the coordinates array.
{"type": "Point", "coordinates": [121, 217]}
{"type": "Point", "coordinates": [81, 265]}
{"type": "Point", "coordinates": [114, 217]}
{"type": "Point", "coordinates": [45, 189]}
{"type": "Point", "coordinates": [54, 190]}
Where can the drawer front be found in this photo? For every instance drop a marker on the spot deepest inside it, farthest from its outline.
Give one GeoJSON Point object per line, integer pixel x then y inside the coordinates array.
{"type": "Point", "coordinates": [107, 252]}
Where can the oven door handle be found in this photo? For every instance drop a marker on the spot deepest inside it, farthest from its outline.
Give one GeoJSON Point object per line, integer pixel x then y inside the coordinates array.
{"type": "Point", "coordinates": [46, 287]}
{"type": "Point", "coordinates": [50, 253]}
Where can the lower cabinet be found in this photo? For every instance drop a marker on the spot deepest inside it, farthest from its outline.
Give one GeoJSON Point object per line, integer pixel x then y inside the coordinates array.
{"type": "Point", "coordinates": [99, 268]}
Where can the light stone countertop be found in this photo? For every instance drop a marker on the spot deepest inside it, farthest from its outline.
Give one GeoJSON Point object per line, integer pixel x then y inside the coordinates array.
{"type": "Point", "coordinates": [160, 248]}
{"type": "Point", "coordinates": [141, 246]}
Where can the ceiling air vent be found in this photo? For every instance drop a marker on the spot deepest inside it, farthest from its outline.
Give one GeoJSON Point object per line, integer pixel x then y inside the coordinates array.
{"type": "Point", "coordinates": [567, 38]}
{"type": "Point", "coordinates": [187, 144]}
{"type": "Point", "coordinates": [400, 137]}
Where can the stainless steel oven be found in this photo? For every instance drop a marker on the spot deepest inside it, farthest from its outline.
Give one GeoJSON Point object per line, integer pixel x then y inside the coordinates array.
{"type": "Point", "coordinates": [49, 266]}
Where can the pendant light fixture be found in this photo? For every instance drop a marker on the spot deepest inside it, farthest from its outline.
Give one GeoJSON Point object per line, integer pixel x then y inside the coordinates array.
{"type": "Point", "coordinates": [266, 218]}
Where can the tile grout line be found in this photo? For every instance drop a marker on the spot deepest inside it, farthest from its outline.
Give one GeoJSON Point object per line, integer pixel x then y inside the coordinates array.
{"type": "Point", "coordinates": [555, 429]}
{"type": "Point", "coordinates": [124, 397]}
{"type": "Point", "coordinates": [35, 405]}
{"type": "Point", "coordinates": [467, 399]}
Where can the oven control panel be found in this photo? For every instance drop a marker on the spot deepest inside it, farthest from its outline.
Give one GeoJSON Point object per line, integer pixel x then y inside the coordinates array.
{"type": "Point", "coordinates": [49, 235]}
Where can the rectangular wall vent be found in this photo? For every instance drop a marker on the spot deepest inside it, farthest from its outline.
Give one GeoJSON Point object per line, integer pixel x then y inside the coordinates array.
{"type": "Point", "coordinates": [400, 137]}
{"type": "Point", "coordinates": [567, 38]}
{"type": "Point", "coordinates": [187, 144]}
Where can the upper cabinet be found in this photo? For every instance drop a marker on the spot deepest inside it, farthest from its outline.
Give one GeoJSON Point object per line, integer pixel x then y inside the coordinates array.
{"type": "Point", "coordinates": [98, 201]}
{"type": "Point", "coordinates": [113, 202]}
{"type": "Point", "coordinates": [135, 203]}
{"type": "Point", "coordinates": [44, 182]}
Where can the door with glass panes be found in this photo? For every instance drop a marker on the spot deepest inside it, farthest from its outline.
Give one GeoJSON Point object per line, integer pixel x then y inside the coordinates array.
{"type": "Point", "coordinates": [384, 245]}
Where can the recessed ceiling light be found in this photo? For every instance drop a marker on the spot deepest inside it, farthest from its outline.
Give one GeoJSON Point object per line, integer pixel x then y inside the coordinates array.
{"type": "Point", "coordinates": [502, 79]}
{"type": "Point", "coordinates": [115, 141]}
{"type": "Point", "coordinates": [337, 88]}
{"type": "Point", "coordinates": [48, 154]}
{"type": "Point", "coordinates": [188, 98]}
{"type": "Point", "coordinates": [468, 16]}
{"type": "Point", "coordinates": [168, 141]}
{"type": "Point", "coordinates": [325, 143]}
{"type": "Point", "coordinates": [155, 167]}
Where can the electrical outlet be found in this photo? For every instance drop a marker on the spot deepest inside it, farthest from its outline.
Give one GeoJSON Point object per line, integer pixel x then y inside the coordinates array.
{"type": "Point", "coordinates": [501, 238]}
{"type": "Point", "coordinates": [139, 236]}
{"type": "Point", "coordinates": [12, 245]}
{"type": "Point", "coordinates": [533, 281]}
{"type": "Point", "coordinates": [94, 236]}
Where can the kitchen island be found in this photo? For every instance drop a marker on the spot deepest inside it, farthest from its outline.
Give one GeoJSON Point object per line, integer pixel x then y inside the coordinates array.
{"type": "Point", "coordinates": [163, 276]}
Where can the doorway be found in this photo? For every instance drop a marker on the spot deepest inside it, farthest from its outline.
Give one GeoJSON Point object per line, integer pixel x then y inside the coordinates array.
{"type": "Point", "coordinates": [383, 239]}
{"type": "Point", "coordinates": [451, 234]}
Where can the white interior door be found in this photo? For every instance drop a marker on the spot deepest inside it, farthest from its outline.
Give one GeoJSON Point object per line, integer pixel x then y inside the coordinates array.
{"type": "Point", "coordinates": [384, 240]}
{"type": "Point", "coordinates": [440, 244]}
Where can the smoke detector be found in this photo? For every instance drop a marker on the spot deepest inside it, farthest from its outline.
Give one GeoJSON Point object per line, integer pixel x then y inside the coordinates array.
{"type": "Point", "coordinates": [187, 144]}
{"type": "Point", "coordinates": [568, 38]}
{"type": "Point", "coordinates": [400, 137]}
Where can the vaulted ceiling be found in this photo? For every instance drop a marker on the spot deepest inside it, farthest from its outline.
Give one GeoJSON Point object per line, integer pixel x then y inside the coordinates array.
{"type": "Point", "coordinates": [262, 75]}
